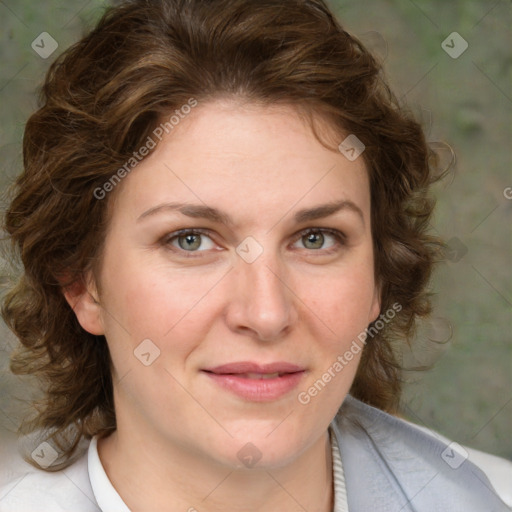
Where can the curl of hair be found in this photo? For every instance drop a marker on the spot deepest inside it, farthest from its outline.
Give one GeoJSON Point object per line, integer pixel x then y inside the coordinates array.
{"type": "Point", "coordinates": [101, 100]}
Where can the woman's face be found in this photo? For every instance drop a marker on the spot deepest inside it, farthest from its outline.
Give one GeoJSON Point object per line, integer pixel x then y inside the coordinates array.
{"type": "Point", "coordinates": [266, 276]}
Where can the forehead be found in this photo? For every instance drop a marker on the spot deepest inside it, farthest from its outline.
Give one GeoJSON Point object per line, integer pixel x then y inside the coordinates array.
{"type": "Point", "coordinates": [247, 158]}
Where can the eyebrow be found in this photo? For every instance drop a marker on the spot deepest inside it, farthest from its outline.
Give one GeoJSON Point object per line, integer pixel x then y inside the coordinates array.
{"type": "Point", "coordinates": [213, 214]}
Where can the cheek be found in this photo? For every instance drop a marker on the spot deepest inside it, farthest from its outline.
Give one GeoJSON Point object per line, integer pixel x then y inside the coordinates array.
{"type": "Point", "coordinates": [149, 304]}
{"type": "Point", "coordinates": [344, 300]}
{"type": "Point", "coordinates": [150, 299]}
{"type": "Point", "coordinates": [339, 311]}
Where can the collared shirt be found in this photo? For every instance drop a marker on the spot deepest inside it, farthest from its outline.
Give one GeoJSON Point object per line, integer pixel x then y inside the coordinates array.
{"type": "Point", "coordinates": [388, 464]}
{"type": "Point", "coordinates": [85, 487]}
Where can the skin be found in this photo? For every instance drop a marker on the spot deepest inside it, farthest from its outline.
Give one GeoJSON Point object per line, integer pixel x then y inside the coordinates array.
{"type": "Point", "coordinates": [300, 301]}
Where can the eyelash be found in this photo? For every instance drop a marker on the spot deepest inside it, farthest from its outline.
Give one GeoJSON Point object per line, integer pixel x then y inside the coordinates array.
{"type": "Point", "coordinates": [337, 235]}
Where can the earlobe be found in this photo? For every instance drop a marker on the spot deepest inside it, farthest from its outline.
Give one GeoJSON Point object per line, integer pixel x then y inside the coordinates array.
{"type": "Point", "coordinates": [84, 301]}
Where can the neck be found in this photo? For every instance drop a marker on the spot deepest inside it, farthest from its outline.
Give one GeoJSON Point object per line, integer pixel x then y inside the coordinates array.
{"type": "Point", "coordinates": [150, 475]}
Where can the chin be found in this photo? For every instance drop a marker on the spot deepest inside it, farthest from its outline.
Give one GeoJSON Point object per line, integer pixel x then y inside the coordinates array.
{"type": "Point", "coordinates": [261, 450]}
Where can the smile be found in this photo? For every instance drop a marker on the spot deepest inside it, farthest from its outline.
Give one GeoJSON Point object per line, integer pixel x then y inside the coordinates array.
{"type": "Point", "coordinates": [257, 383]}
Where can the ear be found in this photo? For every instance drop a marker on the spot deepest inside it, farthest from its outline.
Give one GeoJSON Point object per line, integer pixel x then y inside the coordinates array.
{"type": "Point", "coordinates": [375, 307]}
{"type": "Point", "coordinates": [83, 298]}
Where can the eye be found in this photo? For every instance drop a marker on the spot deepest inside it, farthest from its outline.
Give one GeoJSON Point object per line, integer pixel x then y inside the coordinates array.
{"type": "Point", "coordinates": [189, 240]}
{"type": "Point", "coordinates": [198, 240]}
{"type": "Point", "coordinates": [315, 239]}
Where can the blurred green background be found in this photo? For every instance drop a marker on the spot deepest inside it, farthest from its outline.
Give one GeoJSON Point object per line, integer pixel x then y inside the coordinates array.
{"type": "Point", "coordinates": [464, 101]}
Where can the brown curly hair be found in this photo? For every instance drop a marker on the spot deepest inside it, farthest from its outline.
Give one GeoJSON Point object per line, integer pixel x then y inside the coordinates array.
{"type": "Point", "coordinates": [103, 97]}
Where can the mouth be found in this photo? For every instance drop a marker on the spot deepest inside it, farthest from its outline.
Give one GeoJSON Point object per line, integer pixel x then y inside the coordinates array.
{"type": "Point", "coordinates": [256, 375]}
{"type": "Point", "coordinates": [251, 368]}
{"type": "Point", "coordinates": [257, 382]}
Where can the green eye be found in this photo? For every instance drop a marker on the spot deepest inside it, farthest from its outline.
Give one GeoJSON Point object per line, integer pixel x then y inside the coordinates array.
{"type": "Point", "coordinates": [190, 240]}
{"type": "Point", "coordinates": [314, 239]}
{"type": "Point", "coordinates": [197, 240]}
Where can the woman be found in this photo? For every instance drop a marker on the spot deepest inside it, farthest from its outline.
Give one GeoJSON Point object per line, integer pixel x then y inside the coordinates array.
{"type": "Point", "coordinates": [222, 221]}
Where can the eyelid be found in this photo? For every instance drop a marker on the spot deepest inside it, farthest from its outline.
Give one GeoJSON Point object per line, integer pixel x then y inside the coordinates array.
{"type": "Point", "coordinates": [339, 236]}
{"type": "Point", "coordinates": [331, 231]}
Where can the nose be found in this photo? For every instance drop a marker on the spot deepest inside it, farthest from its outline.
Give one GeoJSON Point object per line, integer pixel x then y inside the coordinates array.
{"type": "Point", "coordinates": [262, 303]}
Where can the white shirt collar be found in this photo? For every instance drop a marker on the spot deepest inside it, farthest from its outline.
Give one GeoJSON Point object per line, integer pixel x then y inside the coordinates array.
{"type": "Point", "coordinates": [340, 492]}
{"type": "Point", "coordinates": [107, 497]}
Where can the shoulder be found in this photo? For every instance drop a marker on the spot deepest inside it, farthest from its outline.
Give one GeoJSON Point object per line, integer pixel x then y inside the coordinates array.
{"type": "Point", "coordinates": [42, 491]}
{"type": "Point", "coordinates": [408, 460]}
{"type": "Point", "coordinates": [497, 469]}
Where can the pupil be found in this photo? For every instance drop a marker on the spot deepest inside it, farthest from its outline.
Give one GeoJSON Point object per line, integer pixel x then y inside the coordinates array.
{"type": "Point", "coordinates": [316, 239]}
{"type": "Point", "coordinates": [189, 242]}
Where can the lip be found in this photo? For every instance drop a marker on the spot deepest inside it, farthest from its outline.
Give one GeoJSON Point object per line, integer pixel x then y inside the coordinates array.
{"type": "Point", "coordinates": [250, 367]}
{"type": "Point", "coordinates": [231, 377]}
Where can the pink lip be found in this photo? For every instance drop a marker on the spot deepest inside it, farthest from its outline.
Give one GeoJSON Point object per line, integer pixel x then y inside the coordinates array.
{"type": "Point", "coordinates": [229, 377]}
{"type": "Point", "coordinates": [249, 367]}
